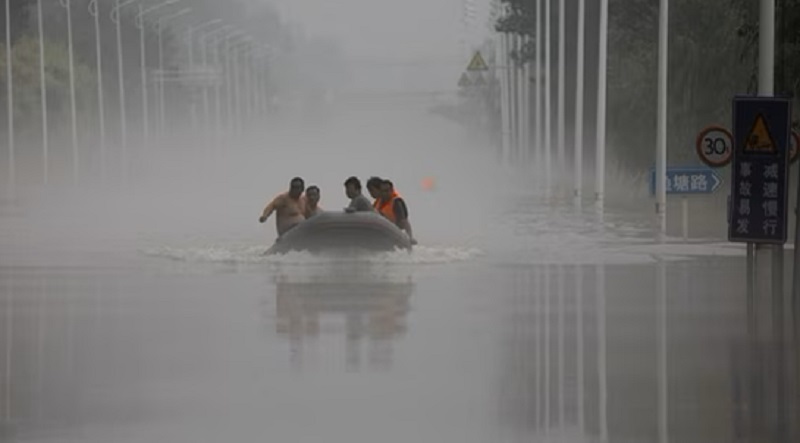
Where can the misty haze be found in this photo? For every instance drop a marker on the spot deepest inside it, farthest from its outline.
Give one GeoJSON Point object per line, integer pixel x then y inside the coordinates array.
{"type": "Point", "coordinates": [382, 221]}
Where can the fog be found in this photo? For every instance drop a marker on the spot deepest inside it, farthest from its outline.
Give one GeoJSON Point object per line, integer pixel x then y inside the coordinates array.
{"type": "Point", "coordinates": [376, 122]}
{"type": "Point", "coordinates": [137, 304]}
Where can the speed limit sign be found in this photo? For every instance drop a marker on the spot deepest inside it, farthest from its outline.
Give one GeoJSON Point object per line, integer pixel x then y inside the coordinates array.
{"type": "Point", "coordinates": [715, 146]}
{"type": "Point", "coordinates": [794, 142]}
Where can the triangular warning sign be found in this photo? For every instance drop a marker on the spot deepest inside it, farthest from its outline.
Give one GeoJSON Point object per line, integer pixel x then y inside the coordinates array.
{"type": "Point", "coordinates": [477, 63]}
{"type": "Point", "coordinates": [760, 140]}
{"type": "Point", "coordinates": [464, 82]}
{"type": "Point", "coordinates": [479, 81]}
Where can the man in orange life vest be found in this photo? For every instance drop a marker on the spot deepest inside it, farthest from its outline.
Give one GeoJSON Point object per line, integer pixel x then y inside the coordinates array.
{"type": "Point", "coordinates": [394, 208]}
{"type": "Point", "coordinates": [374, 189]}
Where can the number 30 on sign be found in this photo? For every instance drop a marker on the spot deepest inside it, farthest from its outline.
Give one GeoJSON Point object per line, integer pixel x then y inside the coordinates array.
{"type": "Point", "coordinates": [715, 146]}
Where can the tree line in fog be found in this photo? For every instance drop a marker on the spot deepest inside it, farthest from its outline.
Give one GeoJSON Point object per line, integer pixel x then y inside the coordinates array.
{"type": "Point", "coordinates": [290, 47]}
{"type": "Point", "coordinates": [713, 55]}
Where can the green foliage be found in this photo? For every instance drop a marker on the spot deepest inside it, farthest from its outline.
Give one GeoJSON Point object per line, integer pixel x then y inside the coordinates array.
{"type": "Point", "coordinates": [20, 12]}
{"type": "Point", "coordinates": [787, 45]}
{"type": "Point", "coordinates": [520, 19]}
{"type": "Point", "coordinates": [705, 72]}
{"type": "Point", "coordinates": [708, 65]}
{"type": "Point", "coordinates": [27, 96]}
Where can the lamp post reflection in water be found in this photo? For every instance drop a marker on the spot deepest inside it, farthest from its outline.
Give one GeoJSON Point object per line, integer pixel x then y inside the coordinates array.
{"type": "Point", "coordinates": [546, 313]}
{"type": "Point", "coordinates": [579, 345]}
{"type": "Point", "coordinates": [601, 351]}
{"type": "Point", "coordinates": [538, 345]}
{"type": "Point", "coordinates": [41, 332]}
{"type": "Point", "coordinates": [9, 332]}
{"type": "Point", "coordinates": [663, 376]}
{"type": "Point", "coordinates": [561, 365]}
{"type": "Point", "coordinates": [375, 309]}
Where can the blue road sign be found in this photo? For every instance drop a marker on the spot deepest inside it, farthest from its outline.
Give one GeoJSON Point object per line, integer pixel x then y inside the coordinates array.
{"type": "Point", "coordinates": [760, 172]}
{"type": "Point", "coordinates": [687, 180]}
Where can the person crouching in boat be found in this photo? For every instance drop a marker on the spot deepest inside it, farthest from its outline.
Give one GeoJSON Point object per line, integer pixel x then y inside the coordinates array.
{"type": "Point", "coordinates": [358, 202]}
{"type": "Point", "coordinates": [374, 189]}
{"type": "Point", "coordinates": [394, 208]}
{"type": "Point", "coordinates": [288, 206]}
{"type": "Point", "coordinates": [312, 202]}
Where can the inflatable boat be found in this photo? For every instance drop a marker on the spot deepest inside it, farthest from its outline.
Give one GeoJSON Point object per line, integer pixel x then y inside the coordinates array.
{"type": "Point", "coordinates": [332, 231]}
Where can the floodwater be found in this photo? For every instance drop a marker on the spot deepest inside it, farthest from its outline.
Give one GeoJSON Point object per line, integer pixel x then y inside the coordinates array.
{"type": "Point", "coordinates": [154, 317]}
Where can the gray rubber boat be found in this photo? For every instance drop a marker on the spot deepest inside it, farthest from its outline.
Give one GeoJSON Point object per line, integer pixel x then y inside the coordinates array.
{"type": "Point", "coordinates": [333, 231]}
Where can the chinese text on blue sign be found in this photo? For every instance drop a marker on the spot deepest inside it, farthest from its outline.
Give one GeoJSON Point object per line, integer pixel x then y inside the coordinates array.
{"type": "Point", "coordinates": [761, 131]}
{"type": "Point", "coordinates": [687, 180]}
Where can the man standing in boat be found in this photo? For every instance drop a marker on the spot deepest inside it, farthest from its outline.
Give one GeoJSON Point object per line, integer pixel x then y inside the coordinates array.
{"type": "Point", "coordinates": [394, 208]}
{"type": "Point", "coordinates": [374, 189]}
{"type": "Point", "coordinates": [312, 202]}
{"type": "Point", "coordinates": [288, 206]}
{"type": "Point", "coordinates": [358, 202]}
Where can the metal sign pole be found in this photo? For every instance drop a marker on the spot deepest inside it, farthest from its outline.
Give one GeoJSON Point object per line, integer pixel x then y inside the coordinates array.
{"type": "Point", "coordinates": [796, 268]}
{"type": "Point", "coordinates": [751, 289]}
{"type": "Point", "coordinates": [685, 218]}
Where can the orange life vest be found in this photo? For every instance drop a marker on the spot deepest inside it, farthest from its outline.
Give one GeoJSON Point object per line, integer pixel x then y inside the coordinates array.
{"type": "Point", "coordinates": [386, 208]}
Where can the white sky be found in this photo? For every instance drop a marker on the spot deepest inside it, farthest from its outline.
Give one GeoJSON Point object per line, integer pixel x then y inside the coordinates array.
{"type": "Point", "coordinates": [373, 32]}
{"type": "Point", "coordinates": [387, 28]}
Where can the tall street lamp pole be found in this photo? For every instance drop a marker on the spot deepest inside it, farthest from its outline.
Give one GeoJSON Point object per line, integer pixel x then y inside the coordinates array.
{"type": "Point", "coordinates": [43, 93]}
{"type": "Point", "coordinates": [161, 101]}
{"type": "Point", "coordinates": [73, 113]}
{"type": "Point", "coordinates": [139, 22]}
{"type": "Point", "coordinates": [94, 10]}
{"type": "Point", "coordinates": [123, 124]}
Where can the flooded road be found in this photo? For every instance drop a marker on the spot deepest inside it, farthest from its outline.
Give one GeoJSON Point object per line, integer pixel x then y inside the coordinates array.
{"type": "Point", "coordinates": [550, 326]}
{"type": "Point", "coordinates": [462, 351]}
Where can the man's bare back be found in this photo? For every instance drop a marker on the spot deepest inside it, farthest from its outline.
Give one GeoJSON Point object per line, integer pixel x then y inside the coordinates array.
{"type": "Point", "coordinates": [288, 211]}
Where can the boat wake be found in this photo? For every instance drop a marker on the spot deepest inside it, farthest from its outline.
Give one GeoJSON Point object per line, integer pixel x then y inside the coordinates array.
{"type": "Point", "coordinates": [249, 254]}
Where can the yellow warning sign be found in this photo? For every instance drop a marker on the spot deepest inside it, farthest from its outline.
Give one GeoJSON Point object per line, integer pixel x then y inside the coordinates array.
{"type": "Point", "coordinates": [464, 82]}
{"type": "Point", "coordinates": [760, 140]}
{"type": "Point", "coordinates": [477, 63]}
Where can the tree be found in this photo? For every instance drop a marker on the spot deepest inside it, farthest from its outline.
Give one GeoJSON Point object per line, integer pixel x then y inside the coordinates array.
{"type": "Point", "coordinates": [20, 24]}
{"type": "Point", "coordinates": [705, 71]}
{"type": "Point", "coordinates": [787, 45]}
{"type": "Point", "coordinates": [520, 19]}
{"type": "Point", "coordinates": [27, 92]}
{"type": "Point", "coordinates": [706, 68]}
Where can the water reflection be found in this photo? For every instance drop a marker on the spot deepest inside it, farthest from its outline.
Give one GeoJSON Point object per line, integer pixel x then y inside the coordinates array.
{"type": "Point", "coordinates": [648, 353]}
{"type": "Point", "coordinates": [368, 310]}
{"type": "Point", "coordinates": [42, 377]}
{"type": "Point", "coordinates": [643, 353]}
{"type": "Point", "coordinates": [765, 397]}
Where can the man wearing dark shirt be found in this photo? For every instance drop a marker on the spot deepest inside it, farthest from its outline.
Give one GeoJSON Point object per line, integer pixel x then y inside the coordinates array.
{"type": "Point", "coordinates": [358, 202]}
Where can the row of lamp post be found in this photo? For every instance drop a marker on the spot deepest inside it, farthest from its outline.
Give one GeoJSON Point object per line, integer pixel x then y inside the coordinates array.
{"type": "Point", "coordinates": [544, 142]}
{"type": "Point", "coordinates": [235, 43]}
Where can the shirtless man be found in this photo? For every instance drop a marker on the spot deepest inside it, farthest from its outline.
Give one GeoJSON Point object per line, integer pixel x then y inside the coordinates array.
{"type": "Point", "coordinates": [289, 207]}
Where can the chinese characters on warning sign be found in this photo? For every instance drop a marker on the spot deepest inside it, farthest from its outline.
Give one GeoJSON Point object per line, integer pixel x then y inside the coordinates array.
{"type": "Point", "coordinates": [768, 199]}
{"type": "Point", "coordinates": [760, 160]}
